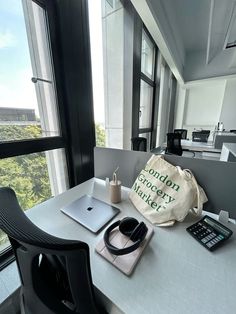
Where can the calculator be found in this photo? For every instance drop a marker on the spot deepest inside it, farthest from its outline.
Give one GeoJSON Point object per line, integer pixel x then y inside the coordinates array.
{"type": "Point", "coordinates": [209, 232]}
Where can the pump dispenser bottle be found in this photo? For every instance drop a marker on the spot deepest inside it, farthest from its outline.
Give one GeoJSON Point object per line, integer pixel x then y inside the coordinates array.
{"type": "Point", "coordinates": [115, 188]}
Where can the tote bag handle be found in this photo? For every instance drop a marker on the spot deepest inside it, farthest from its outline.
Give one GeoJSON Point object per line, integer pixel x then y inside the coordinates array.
{"type": "Point", "coordinates": [188, 175]}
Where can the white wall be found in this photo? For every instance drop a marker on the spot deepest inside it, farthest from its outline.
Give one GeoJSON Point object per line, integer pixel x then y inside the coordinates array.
{"type": "Point", "coordinates": [228, 112]}
{"type": "Point", "coordinates": [199, 105]}
{"type": "Point", "coordinates": [179, 108]}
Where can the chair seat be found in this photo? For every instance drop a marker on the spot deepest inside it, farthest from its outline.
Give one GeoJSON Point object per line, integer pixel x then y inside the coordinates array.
{"type": "Point", "coordinates": [139, 144]}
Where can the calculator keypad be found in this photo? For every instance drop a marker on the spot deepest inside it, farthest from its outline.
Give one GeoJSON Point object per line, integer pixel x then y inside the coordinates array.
{"type": "Point", "coordinates": [206, 235]}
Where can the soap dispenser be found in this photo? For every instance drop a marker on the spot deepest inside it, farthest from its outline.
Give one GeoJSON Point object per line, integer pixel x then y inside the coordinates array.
{"type": "Point", "coordinates": [115, 188]}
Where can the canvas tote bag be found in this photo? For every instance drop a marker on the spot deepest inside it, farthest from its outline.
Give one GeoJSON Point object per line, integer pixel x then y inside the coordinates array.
{"type": "Point", "coordinates": [164, 193]}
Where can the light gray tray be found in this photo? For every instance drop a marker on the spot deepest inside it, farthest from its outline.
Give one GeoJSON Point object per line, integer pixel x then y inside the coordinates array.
{"type": "Point", "coordinates": [124, 263]}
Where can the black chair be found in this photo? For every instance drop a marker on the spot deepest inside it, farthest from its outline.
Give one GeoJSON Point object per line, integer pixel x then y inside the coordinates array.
{"type": "Point", "coordinates": [232, 131]}
{"type": "Point", "coordinates": [200, 136]}
{"type": "Point", "coordinates": [183, 133]}
{"type": "Point", "coordinates": [174, 144]}
{"type": "Point", "coordinates": [139, 144]}
{"type": "Point", "coordinates": [55, 273]}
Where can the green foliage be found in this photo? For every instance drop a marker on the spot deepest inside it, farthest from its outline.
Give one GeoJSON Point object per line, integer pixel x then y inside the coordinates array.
{"type": "Point", "coordinates": [100, 135]}
{"type": "Point", "coordinates": [27, 175]}
{"type": "Point", "coordinates": [19, 132]}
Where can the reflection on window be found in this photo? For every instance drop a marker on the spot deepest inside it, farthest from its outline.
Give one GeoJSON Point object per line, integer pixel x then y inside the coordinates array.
{"type": "Point", "coordinates": [27, 109]}
{"type": "Point", "coordinates": [148, 56]}
{"type": "Point", "coordinates": [145, 111]}
{"type": "Point", "coordinates": [34, 178]}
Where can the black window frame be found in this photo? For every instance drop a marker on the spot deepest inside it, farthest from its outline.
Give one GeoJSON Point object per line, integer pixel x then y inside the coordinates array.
{"type": "Point", "coordinates": [71, 61]}
{"type": "Point", "coordinates": [138, 75]}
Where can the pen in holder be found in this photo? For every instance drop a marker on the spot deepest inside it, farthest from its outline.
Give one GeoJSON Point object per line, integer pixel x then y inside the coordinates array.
{"type": "Point", "coordinates": [115, 188]}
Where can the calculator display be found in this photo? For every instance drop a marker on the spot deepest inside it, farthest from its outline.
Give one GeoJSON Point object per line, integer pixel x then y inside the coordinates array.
{"type": "Point", "coordinates": [217, 227]}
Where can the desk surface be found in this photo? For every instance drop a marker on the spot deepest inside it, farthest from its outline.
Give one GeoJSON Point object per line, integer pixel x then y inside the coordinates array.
{"type": "Point", "coordinates": [175, 275]}
{"type": "Point", "coordinates": [224, 133]}
{"type": "Point", "coordinates": [199, 146]}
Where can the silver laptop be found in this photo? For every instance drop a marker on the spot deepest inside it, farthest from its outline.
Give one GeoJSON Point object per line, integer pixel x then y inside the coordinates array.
{"type": "Point", "coordinates": [90, 212]}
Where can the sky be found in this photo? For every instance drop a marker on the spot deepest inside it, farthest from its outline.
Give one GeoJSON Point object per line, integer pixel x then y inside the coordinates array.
{"type": "Point", "coordinates": [16, 87]}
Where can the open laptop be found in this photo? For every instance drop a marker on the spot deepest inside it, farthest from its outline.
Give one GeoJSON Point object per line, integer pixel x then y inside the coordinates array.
{"type": "Point", "coordinates": [90, 212]}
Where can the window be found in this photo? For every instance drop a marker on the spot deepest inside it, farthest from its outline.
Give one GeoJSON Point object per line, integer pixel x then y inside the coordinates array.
{"type": "Point", "coordinates": [32, 177]}
{"type": "Point", "coordinates": [52, 117]}
{"type": "Point", "coordinates": [116, 45]}
{"type": "Point", "coordinates": [107, 54]}
{"type": "Point", "coordinates": [145, 109]}
{"type": "Point", "coordinates": [144, 85]}
{"type": "Point", "coordinates": [96, 40]}
{"type": "Point", "coordinates": [33, 151]}
{"type": "Point", "coordinates": [166, 108]}
{"type": "Point", "coordinates": [147, 85]}
{"type": "Point", "coordinates": [148, 56]}
{"type": "Point", "coordinates": [27, 84]}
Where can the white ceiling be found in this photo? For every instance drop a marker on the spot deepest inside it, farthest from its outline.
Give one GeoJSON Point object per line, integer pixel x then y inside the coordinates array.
{"type": "Point", "coordinates": [195, 32]}
{"type": "Point", "coordinates": [201, 20]}
{"type": "Point", "coordinates": [191, 19]}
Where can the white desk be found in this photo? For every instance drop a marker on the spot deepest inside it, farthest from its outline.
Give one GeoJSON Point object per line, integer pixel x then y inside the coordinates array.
{"type": "Point", "coordinates": [175, 275]}
{"type": "Point", "coordinates": [199, 146]}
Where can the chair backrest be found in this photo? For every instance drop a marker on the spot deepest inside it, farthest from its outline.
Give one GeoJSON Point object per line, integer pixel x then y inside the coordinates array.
{"type": "Point", "coordinates": [174, 144]}
{"type": "Point", "coordinates": [183, 133]}
{"type": "Point", "coordinates": [139, 144]}
{"type": "Point", "coordinates": [200, 136]}
{"type": "Point", "coordinates": [55, 273]}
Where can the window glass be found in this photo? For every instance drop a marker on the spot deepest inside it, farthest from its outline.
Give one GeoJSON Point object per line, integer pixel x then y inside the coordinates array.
{"type": "Point", "coordinates": [148, 56]}
{"type": "Point", "coordinates": [96, 42]}
{"type": "Point", "coordinates": [145, 110]}
{"type": "Point", "coordinates": [27, 93]}
{"type": "Point", "coordinates": [34, 178]}
{"type": "Point", "coordinates": [106, 19]}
